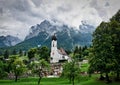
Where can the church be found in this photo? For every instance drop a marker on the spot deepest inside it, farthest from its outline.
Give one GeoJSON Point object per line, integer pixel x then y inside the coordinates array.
{"type": "Point", "coordinates": [57, 55]}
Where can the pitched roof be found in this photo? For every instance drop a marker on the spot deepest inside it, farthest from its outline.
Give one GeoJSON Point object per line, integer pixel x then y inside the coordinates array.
{"type": "Point", "coordinates": [62, 51]}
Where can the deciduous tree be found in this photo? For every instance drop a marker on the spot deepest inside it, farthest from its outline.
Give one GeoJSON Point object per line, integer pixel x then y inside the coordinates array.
{"type": "Point", "coordinates": [40, 67]}
{"type": "Point", "coordinates": [71, 70]}
{"type": "Point", "coordinates": [18, 67]}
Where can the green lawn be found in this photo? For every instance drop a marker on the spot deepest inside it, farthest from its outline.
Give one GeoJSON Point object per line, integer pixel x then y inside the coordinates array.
{"type": "Point", "coordinates": [55, 81]}
{"type": "Point", "coordinates": [84, 67]}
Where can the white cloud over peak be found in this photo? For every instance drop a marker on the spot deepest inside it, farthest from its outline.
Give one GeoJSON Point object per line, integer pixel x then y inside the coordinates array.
{"type": "Point", "coordinates": [17, 16]}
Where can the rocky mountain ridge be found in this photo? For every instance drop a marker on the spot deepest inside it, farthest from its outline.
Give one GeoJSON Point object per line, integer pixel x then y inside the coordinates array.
{"type": "Point", "coordinates": [9, 41]}
{"type": "Point", "coordinates": [68, 37]}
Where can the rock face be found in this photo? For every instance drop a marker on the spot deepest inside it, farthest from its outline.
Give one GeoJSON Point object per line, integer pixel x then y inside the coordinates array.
{"type": "Point", "coordinates": [8, 41]}
{"type": "Point", "coordinates": [44, 26]}
{"type": "Point", "coordinates": [67, 37]}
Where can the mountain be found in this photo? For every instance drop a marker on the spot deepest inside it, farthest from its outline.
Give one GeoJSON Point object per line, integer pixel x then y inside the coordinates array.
{"type": "Point", "coordinates": [85, 27]}
{"type": "Point", "coordinates": [67, 37]}
{"type": "Point", "coordinates": [40, 34]}
{"type": "Point", "coordinates": [44, 26]}
{"type": "Point", "coordinates": [9, 41]}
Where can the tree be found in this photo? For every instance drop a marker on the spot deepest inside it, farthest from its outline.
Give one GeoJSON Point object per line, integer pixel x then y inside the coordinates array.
{"type": "Point", "coordinates": [76, 50]}
{"type": "Point", "coordinates": [6, 54]}
{"type": "Point", "coordinates": [85, 51]}
{"type": "Point", "coordinates": [20, 52]}
{"type": "Point", "coordinates": [104, 56]}
{"type": "Point", "coordinates": [71, 70]}
{"type": "Point", "coordinates": [3, 72]}
{"type": "Point", "coordinates": [43, 53]}
{"type": "Point", "coordinates": [116, 17]}
{"type": "Point", "coordinates": [115, 43]}
{"type": "Point", "coordinates": [31, 53]}
{"type": "Point", "coordinates": [40, 67]}
{"type": "Point", "coordinates": [78, 57]}
{"type": "Point", "coordinates": [102, 59]}
{"type": "Point", "coordinates": [14, 52]}
{"type": "Point", "coordinates": [25, 53]}
{"type": "Point", "coordinates": [96, 64]}
{"type": "Point", "coordinates": [18, 67]}
{"type": "Point", "coordinates": [115, 34]}
{"type": "Point", "coordinates": [78, 53]}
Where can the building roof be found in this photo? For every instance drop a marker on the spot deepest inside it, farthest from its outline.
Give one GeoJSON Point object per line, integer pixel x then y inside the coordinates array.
{"type": "Point", "coordinates": [62, 51]}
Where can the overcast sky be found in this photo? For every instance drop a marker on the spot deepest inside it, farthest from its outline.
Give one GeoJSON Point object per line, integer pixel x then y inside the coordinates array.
{"type": "Point", "coordinates": [17, 16]}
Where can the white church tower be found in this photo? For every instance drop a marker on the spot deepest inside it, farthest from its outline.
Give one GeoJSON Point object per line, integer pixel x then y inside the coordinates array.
{"type": "Point", "coordinates": [57, 55]}
{"type": "Point", "coordinates": [54, 51]}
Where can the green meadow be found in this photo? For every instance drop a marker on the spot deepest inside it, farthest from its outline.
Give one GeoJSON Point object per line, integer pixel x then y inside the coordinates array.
{"type": "Point", "coordinates": [84, 80]}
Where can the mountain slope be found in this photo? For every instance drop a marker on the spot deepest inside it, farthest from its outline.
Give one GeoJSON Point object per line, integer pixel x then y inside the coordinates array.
{"type": "Point", "coordinates": [8, 41]}
{"type": "Point", "coordinates": [67, 37]}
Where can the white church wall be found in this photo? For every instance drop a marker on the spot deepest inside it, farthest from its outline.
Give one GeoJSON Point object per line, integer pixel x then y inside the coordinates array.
{"type": "Point", "coordinates": [55, 54]}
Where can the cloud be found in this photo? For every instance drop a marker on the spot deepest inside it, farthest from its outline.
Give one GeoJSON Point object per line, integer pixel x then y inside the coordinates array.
{"type": "Point", "coordinates": [17, 16]}
{"type": "Point", "coordinates": [107, 4]}
{"type": "Point", "coordinates": [105, 8]}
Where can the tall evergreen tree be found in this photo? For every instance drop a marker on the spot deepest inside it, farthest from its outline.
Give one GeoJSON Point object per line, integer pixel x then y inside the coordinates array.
{"type": "Point", "coordinates": [6, 54]}
{"type": "Point", "coordinates": [14, 52]}
{"type": "Point", "coordinates": [20, 52]}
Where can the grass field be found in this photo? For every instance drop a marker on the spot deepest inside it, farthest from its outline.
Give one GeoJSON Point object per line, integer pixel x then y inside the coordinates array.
{"type": "Point", "coordinates": [84, 67]}
{"type": "Point", "coordinates": [84, 80]}
{"type": "Point", "coordinates": [56, 81]}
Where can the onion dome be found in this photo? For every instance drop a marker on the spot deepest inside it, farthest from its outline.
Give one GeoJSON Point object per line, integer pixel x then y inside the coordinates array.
{"type": "Point", "coordinates": [54, 37]}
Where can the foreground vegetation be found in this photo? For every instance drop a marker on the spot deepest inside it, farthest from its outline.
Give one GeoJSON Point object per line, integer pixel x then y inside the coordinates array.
{"type": "Point", "coordinates": [56, 81]}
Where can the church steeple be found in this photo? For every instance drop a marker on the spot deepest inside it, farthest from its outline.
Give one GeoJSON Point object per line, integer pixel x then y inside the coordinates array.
{"type": "Point", "coordinates": [54, 50]}
{"type": "Point", "coordinates": [54, 42]}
